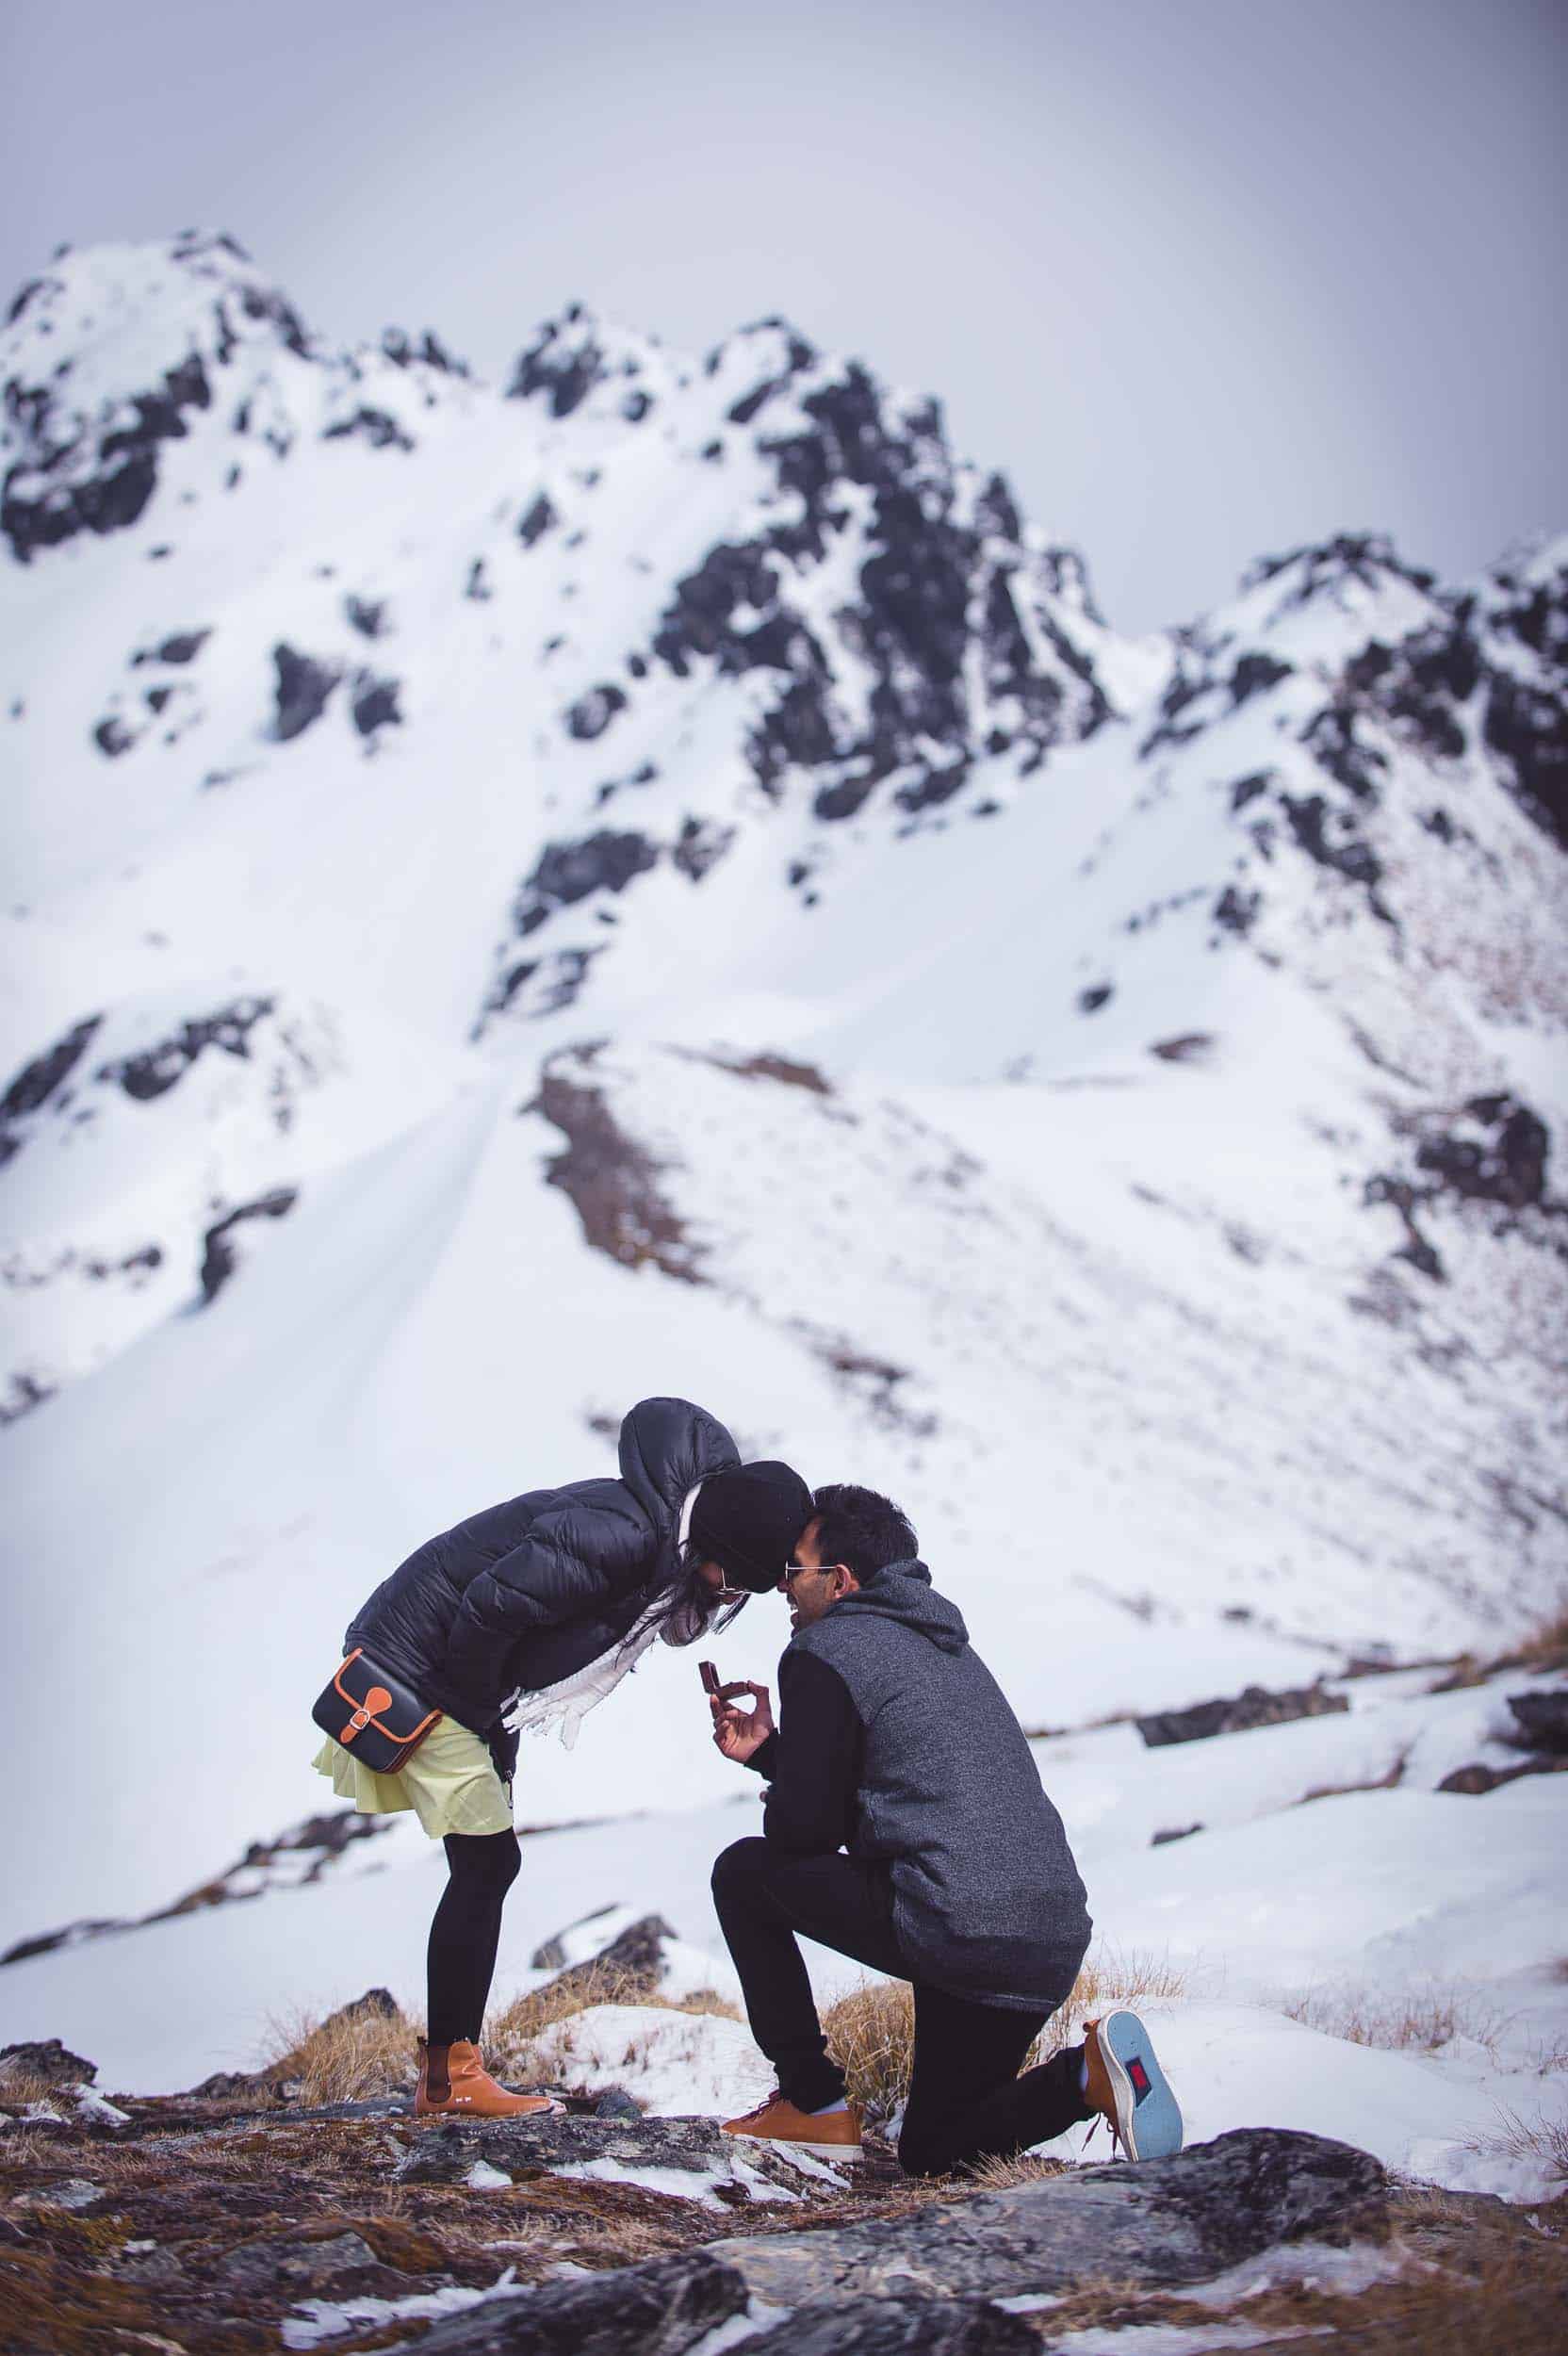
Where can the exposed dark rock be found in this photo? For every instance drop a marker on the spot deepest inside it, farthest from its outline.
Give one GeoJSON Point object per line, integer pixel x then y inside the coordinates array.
{"type": "Point", "coordinates": [635, 1956]}
{"type": "Point", "coordinates": [1332, 742]}
{"type": "Point", "coordinates": [550, 1954]}
{"type": "Point", "coordinates": [156, 1069]}
{"type": "Point", "coordinates": [1253, 1708]}
{"type": "Point", "coordinates": [39, 510]}
{"type": "Point", "coordinates": [1329, 836]}
{"type": "Point", "coordinates": [1543, 1719]}
{"type": "Point", "coordinates": [1529, 728]}
{"type": "Point", "coordinates": [1248, 789]}
{"type": "Point", "coordinates": [113, 737]}
{"type": "Point", "coordinates": [302, 688]}
{"type": "Point", "coordinates": [663, 2308]}
{"type": "Point", "coordinates": [300, 2263]}
{"type": "Point", "coordinates": [567, 873]}
{"type": "Point", "coordinates": [564, 361]}
{"type": "Point", "coordinates": [1365, 557]}
{"type": "Point", "coordinates": [1505, 1164]}
{"type": "Point", "coordinates": [73, 2193]}
{"type": "Point", "coordinates": [428, 350]}
{"type": "Point", "coordinates": [375, 703]}
{"type": "Point", "coordinates": [55, 2063]}
{"type": "Point", "coordinates": [614, 1185]}
{"type": "Point", "coordinates": [218, 1257]}
{"type": "Point", "coordinates": [1187, 1047]}
{"type": "Point", "coordinates": [38, 1081]}
{"type": "Point", "coordinates": [368, 614]}
{"type": "Point", "coordinates": [592, 714]}
{"type": "Point", "coordinates": [1405, 1198]}
{"type": "Point", "coordinates": [477, 587]}
{"type": "Point", "coordinates": [1478, 1779]}
{"type": "Point", "coordinates": [535, 521]}
{"type": "Point", "coordinates": [375, 426]}
{"type": "Point", "coordinates": [1090, 1001]}
{"type": "Point", "coordinates": [184, 646]}
{"type": "Point", "coordinates": [615, 2102]}
{"type": "Point", "coordinates": [1254, 674]}
{"type": "Point", "coordinates": [1158, 2221]}
{"type": "Point", "coordinates": [1175, 1832]}
{"type": "Point", "coordinates": [900, 2326]}
{"type": "Point", "coordinates": [1237, 911]}
{"type": "Point", "coordinates": [700, 846]}
{"type": "Point", "coordinates": [525, 2148]}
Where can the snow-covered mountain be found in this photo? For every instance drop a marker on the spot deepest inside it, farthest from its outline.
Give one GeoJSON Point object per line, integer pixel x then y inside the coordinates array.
{"type": "Point", "coordinates": [655, 879]}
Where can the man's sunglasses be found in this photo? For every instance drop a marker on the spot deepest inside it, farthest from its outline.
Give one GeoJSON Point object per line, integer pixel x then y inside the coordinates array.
{"type": "Point", "coordinates": [798, 1570]}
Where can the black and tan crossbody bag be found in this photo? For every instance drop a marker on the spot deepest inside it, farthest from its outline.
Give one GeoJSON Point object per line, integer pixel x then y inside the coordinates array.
{"type": "Point", "coordinates": [374, 1715]}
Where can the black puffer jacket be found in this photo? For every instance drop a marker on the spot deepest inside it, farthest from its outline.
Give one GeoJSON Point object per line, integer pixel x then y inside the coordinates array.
{"type": "Point", "coordinates": [530, 1592]}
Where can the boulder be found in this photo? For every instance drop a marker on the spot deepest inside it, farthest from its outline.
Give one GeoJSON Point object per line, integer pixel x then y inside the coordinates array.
{"type": "Point", "coordinates": [660, 2309]}
{"type": "Point", "coordinates": [296, 2265]}
{"type": "Point", "coordinates": [1172, 2220]}
{"type": "Point", "coordinates": [635, 1956]}
{"type": "Point", "coordinates": [70, 2192]}
{"type": "Point", "coordinates": [615, 2102]}
{"type": "Point", "coordinates": [1256, 1707]}
{"type": "Point", "coordinates": [900, 2326]}
{"type": "Point", "coordinates": [49, 2060]}
{"type": "Point", "coordinates": [521, 2147]}
{"type": "Point", "coordinates": [1543, 1719]}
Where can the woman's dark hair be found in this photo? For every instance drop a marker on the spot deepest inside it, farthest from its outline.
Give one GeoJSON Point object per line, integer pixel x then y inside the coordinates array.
{"type": "Point", "coordinates": [862, 1529]}
{"type": "Point", "coordinates": [689, 1607]}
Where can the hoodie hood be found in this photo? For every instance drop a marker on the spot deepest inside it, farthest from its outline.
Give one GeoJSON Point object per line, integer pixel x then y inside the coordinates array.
{"type": "Point", "coordinates": [667, 1447]}
{"type": "Point", "coordinates": [903, 1592]}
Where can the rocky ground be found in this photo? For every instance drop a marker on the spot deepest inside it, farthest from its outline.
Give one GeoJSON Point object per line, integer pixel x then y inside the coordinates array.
{"type": "Point", "coordinates": [239, 2218]}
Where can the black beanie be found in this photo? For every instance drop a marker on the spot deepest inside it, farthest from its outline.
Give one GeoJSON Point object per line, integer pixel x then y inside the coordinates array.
{"type": "Point", "coordinates": [747, 1520]}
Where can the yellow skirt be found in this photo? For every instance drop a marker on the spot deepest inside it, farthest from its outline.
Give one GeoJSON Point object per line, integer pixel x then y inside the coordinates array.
{"type": "Point", "coordinates": [450, 1783]}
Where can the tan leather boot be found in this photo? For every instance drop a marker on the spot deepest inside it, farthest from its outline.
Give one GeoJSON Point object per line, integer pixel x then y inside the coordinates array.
{"type": "Point", "coordinates": [471, 2092]}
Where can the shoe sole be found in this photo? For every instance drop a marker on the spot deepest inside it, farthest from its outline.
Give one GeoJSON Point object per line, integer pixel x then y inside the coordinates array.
{"type": "Point", "coordinates": [785, 2143]}
{"type": "Point", "coordinates": [1148, 2115]}
{"type": "Point", "coordinates": [439, 2118]}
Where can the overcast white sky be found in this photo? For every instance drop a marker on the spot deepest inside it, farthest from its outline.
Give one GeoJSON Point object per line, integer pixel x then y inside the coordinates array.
{"type": "Point", "coordinates": [1203, 277]}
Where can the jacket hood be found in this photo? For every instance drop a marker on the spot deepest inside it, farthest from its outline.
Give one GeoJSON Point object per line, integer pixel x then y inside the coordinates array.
{"type": "Point", "coordinates": [903, 1591]}
{"type": "Point", "coordinates": [667, 1447]}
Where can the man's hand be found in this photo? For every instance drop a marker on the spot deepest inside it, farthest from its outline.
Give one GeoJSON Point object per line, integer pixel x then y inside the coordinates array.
{"type": "Point", "coordinates": [740, 1732]}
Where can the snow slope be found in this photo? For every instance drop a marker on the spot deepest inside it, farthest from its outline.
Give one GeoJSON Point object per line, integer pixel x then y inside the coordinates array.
{"type": "Point", "coordinates": [656, 878]}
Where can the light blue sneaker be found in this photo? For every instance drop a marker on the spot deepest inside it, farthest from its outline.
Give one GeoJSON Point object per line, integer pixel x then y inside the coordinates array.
{"type": "Point", "coordinates": [1128, 2088]}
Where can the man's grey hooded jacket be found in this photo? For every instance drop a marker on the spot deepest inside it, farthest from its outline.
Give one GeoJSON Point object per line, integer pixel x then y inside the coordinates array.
{"type": "Point", "coordinates": [896, 1742]}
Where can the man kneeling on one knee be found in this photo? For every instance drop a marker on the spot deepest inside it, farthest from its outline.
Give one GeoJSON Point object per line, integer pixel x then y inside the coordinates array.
{"type": "Point", "coordinates": [905, 1825]}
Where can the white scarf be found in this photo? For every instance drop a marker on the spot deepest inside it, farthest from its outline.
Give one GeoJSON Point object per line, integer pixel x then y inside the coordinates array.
{"type": "Point", "coordinates": [566, 1703]}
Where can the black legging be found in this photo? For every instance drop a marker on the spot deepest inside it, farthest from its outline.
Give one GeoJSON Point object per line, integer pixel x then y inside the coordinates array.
{"type": "Point", "coordinates": [467, 1932]}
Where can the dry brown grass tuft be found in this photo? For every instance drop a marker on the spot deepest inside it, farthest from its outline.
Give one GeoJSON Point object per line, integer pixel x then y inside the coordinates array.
{"type": "Point", "coordinates": [344, 2059]}
{"type": "Point", "coordinates": [1517, 2138]}
{"type": "Point", "coordinates": [18, 2087]}
{"type": "Point", "coordinates": [1023, 2168]}
{"type": "Point", "coordinates": [1108, 1979]}
{"type": "Point", "coordinates": [1422, 2020]}
{"type": "Point", "coordinates": [1546, 1646]}
{"type": "Point", "coordinates": [870, 2035]}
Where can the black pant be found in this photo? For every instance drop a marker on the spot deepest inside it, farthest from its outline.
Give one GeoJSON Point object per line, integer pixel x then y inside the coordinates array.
{"type": "Point", "coordinates": [466, 1932]}
{"type": "Point", "coordinates": [967, 2101]}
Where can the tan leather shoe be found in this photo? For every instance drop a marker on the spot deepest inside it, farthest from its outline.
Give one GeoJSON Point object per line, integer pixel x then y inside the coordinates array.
{"type": "Point", "coordinates": [831, 2135]}
{"type": "Point", "coordinates": [471, 2092]}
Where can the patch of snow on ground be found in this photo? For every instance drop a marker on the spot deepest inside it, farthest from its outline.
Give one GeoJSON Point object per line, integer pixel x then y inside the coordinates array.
{"type": "Point", "coordinates": [319, 2319]}
{"type": "Point", "coordinates": [1238, 2066]}
{"type": "Point", "coordinates": [674, 2063]}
